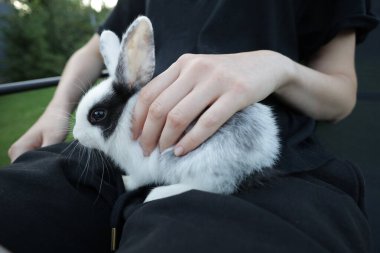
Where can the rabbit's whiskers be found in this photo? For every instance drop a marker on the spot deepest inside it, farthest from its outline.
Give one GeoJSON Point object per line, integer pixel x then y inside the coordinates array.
{"type": "Point", "coordinates": [82, 85]}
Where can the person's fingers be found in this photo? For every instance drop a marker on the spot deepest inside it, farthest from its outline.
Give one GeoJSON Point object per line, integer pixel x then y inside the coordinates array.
{"type": "Point", "coordinates": [158, 111]}
{"type": "Point", "coordinates": [185, 112]}
{"type": "Point", "coordinates": [25, 143]}
{"type": "Point", "coordinates": [210, 121]}
{"type": "Point", "coordinates": [15, 151]}
{"type": "Point", "coordinates": [48, 130]}
{"type": "Point", "coordinates": [147, 95]}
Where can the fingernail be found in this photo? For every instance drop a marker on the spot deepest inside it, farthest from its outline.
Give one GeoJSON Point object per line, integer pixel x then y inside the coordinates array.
{"type": "Point", "coordinates": [178, 151]}
{"type": "Point", "coordinates": [162, 148]}
{"type": "Point", "coordinates": [135, 135]}
{"type": "Point", "coordinates": [146, 153]}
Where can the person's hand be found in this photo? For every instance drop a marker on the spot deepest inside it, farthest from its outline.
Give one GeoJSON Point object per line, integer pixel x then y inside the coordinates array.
{"type": "Point", "coordinates": [209, 88]}
{"type": "Point", "coordinates": [49, 129]}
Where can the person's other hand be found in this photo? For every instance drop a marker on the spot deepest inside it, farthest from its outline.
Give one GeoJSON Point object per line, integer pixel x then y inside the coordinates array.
{"type": "Point", "coordinates": [50, 128]}
{"type": "Point", "coordinates": [205, 88]}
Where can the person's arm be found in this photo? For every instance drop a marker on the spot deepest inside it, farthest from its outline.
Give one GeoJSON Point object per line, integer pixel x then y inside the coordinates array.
{"type": "Point", "coordinates": [217, 86]}
{"type": "Point", "coordinates": [81, 70]}
{"type": "Point", "coordinates": [326, 89]}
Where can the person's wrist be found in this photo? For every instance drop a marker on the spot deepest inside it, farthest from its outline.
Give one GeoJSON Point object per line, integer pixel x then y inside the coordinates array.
{"type": "Point", "coordinates": [289, 74]}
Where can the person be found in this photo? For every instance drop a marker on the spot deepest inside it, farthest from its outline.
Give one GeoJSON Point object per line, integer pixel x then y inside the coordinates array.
{"type": "Point", "coordinates": [213, 58]}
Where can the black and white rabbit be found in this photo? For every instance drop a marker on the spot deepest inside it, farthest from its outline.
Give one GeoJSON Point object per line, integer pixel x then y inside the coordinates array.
{"type": "Point", "coordinates": [247, 144]}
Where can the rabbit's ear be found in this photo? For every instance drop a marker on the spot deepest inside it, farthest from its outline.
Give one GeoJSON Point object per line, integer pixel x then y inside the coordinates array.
{"type": "Point", "coordinates": [110, 49]}
{"type": "Point", "coordinates": [136, 61]}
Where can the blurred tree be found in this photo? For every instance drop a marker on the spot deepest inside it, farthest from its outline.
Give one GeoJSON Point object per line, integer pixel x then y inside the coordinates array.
{"type": "Point", "coordinates": [40, 35]}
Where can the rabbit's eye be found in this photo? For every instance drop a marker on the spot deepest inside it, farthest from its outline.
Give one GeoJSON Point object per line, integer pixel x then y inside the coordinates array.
{"type": "Point", "coordinates": [97, 115]}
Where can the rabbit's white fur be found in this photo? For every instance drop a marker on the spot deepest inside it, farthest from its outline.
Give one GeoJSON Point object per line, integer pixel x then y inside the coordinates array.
{"type": "Point", "coordinates": [246, 144]}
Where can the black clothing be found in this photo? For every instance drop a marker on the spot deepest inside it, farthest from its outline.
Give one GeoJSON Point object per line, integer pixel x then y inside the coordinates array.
{"type": "Point", "coordinates": [50, 203]}
{"type": "Point", "coordinates": [295, 28]}
{"type": "Point", "coordinates": [53, 202]}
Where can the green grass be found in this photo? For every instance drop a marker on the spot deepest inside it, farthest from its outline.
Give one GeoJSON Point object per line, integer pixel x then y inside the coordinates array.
{"type": "Point", "coordinates": [19, 112]}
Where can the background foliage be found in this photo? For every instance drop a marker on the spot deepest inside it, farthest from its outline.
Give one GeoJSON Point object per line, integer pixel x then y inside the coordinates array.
{"type": "Point", "coordinates": [38, 39]}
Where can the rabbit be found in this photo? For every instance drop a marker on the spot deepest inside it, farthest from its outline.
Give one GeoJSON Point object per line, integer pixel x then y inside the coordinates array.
{"type": "Point", "coordinates": [247, 144]}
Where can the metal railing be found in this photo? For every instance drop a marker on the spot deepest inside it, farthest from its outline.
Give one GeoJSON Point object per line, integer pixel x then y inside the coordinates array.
{"type": "Point", "coordinates": [8, 88]}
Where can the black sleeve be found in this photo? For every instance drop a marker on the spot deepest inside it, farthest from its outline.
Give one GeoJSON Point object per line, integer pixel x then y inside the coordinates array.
{"type": "Point", "coordinates": [122, 15]}
{"type": "Point", "coordinates": [320, 21]}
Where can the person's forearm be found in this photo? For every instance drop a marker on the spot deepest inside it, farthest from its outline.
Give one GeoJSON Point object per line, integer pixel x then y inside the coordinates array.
{"type": "Point", "coordinates": [80, 72]}
{"type": "Point", "coordinates": [326, 90]}
{"type": "Point", "coordinates": [321, 96]}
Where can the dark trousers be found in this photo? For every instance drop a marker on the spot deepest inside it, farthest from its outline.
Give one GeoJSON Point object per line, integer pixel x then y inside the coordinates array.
{"type": "Point", "coordinates": [54, 202]}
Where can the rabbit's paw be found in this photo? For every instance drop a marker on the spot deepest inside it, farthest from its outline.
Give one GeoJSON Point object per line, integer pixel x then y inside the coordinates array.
{"type": "Point", "coordinates": [167, 191]}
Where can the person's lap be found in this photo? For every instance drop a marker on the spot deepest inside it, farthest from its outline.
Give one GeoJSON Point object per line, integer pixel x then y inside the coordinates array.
{"type": "Point", "coordinates": [296, 213]}
{"type": "Point", "coordinates": [49, 205]}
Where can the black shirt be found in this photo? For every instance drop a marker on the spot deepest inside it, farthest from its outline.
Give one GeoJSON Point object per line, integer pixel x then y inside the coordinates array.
{"type": "Point", "coordinates": [295, 28]}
